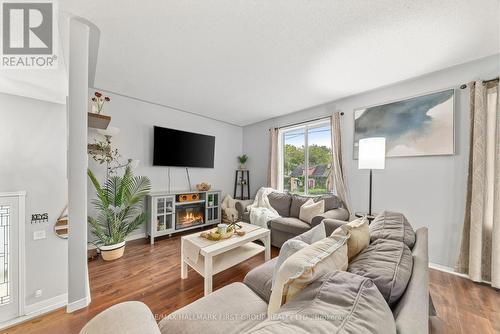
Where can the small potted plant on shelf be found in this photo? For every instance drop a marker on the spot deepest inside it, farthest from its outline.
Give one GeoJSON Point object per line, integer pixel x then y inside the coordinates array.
{"type": "Point", "coordinates": [120, 207]}
{"type": "Point", "coordinates": [242, 159]}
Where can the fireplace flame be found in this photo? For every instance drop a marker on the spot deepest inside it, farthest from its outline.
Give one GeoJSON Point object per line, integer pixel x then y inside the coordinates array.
{"type": "Point", "coordinates": [191, 218]}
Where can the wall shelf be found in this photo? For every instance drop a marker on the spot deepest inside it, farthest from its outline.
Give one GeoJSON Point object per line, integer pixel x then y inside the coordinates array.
{"type": "Point", "coordinates": [98, 121]}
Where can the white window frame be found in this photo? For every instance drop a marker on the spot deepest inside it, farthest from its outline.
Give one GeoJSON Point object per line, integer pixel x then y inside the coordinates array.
{"type": "Point", "coordinates": [281, 145]}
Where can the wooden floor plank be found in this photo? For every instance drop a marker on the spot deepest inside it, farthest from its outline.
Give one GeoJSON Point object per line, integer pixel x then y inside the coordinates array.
{"type": "Point", "coordinates": [151, 274]}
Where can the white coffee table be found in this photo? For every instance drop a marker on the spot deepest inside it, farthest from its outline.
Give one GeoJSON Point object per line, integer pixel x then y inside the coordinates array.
{"type": "Point", "coordinates": [211, 257]}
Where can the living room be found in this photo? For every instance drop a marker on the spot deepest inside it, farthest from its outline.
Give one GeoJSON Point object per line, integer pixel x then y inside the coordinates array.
{"type": "Point", "coordinates": [184, 160]}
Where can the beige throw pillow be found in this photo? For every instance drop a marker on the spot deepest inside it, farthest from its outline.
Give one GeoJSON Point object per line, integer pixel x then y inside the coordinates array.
{"type": "Point", "coordinates": [311, 209]}
{"type": "Point", "coordinates": [358, 232]}
{"type": "Point", "coordinates": [306, 265]}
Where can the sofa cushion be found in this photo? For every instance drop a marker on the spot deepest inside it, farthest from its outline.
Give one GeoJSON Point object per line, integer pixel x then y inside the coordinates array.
{"type": "Point", "coordinates": [393, 226]}
{"type": "Point", "coordinates": [234, 308]}
{"type": "Point", "coordinates": [359, 236]}
{"type": "Point", "coordinates": [260, 279]}
{"type": "Point", "coordinates": [280, 202]}
{"type": "Point", "coordinates": [305, 266]}
{"type": "Point", "coordinates": [311, 209]}
{"type": "Point", "coordinates": [297, 202]}
{"type": "Point", "coordinates": [338, 302]}
{"type": "Point", "coordinates": [388, 263]}
{"type": "Point", "coordinates": [290, 225]}
{"type": "Point", "coordinates": [331, 201]}
{"type": "Point", "coordinates": [295, 244]}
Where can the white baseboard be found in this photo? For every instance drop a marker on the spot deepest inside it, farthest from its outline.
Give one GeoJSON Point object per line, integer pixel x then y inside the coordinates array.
{"type": "Point", "coordinates": [446, 269]}
{"type": "Point", "coordinates": [37, 309]}
{"type": "Point", "coordinates": [129, 238]}
{"type": "Point", "coordinates": [452, 271]}
{"type": "Point", "coordinates": [47, 305]}
{"type": "Point", "coordinates": [76, 305]}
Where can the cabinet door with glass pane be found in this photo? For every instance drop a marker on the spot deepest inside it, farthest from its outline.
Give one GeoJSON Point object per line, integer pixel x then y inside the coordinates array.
{"type": "Point", "coordinates": [213, 207]}
{"type": "Point", "coordinates": [163, 210]}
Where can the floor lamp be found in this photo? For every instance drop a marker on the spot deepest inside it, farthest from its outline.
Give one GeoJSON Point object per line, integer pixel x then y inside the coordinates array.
{"type": "Point", "coordinates": [371, 156]}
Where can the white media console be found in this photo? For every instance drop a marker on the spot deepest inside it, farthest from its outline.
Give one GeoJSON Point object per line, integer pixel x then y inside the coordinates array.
{"type": "Point", "coordinates": [170, 213]}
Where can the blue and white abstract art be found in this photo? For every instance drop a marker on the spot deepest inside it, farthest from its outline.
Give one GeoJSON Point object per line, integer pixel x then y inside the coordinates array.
{"type": "Point", "coordinates": [416, 126]}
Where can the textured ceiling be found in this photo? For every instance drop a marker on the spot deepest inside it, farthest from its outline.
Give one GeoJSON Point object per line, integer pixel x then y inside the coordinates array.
{"type": "Point", "coordinates": [243, 61]}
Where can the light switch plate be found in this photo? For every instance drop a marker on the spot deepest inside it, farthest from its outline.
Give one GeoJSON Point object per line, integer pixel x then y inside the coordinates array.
{"type": "Point", "coordinates": [38, 235]}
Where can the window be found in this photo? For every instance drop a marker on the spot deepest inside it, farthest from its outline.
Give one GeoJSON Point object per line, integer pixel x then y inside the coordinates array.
{"type": "Point", "coordinates": [305, 158]}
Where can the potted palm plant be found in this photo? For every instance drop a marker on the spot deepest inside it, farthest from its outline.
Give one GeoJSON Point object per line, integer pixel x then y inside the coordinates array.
{"type": "Point", "coordinates": [120, 207]}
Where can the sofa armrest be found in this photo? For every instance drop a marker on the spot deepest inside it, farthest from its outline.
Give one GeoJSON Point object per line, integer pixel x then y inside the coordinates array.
{"type": "Point", "coordinates": [339, 214]}
{"type": "Point", "coordinates": [412, 310]}
{"type": "Point", "coordinates": [123, 318]}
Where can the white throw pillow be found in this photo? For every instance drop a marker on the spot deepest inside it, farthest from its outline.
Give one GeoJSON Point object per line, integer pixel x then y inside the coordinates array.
{"type": "Point", "coordinates": [305, 266]}
{"type": "Point", "coordinates": [295, 244]}
{"type": "Point", "coordinates": [359, 236]}
{"type": "Point", "coordinates": [289, 248]}
{"type": "Point", "coordinates": [311, 209]}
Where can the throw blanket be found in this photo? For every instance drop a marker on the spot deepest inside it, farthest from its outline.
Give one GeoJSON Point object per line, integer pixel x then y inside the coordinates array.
{"type": "Point", "coordinates": [261, 210]}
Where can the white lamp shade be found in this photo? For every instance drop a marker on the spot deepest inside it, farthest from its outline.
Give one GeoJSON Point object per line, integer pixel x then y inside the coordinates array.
{"type": "Point", "coordinates": [371, 153]}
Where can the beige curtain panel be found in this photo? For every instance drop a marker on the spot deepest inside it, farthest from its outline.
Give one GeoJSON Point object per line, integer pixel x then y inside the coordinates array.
{"type": "Point", "coordinates": [272, 171]}
{"type": "Point", "coordinates": [338, 179]}
{"type": "Point", "coordinates": [480, 249]}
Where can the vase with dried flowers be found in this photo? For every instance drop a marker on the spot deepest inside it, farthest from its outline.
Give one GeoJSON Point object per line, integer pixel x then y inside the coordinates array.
{"type": "Point", "coordinates": [98, 101]}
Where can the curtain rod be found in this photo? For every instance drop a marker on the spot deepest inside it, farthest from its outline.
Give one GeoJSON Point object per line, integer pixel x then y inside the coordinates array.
{"type": "Point", "coordinates": [308, 121]}
{"type": "Point", "coordinates": [463, 86]}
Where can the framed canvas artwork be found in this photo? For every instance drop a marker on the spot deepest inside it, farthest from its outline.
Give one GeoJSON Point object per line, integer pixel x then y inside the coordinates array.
{"type": "Point", "coordinates": [417, 126]}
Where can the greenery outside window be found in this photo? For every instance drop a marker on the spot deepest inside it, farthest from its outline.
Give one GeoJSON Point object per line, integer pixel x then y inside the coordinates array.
{"type": "Point", "coordinates": [306, 158]}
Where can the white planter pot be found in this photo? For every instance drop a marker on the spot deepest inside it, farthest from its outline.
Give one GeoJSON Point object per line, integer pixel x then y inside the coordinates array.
{"type": "Point", "coordinates": [112, 252]}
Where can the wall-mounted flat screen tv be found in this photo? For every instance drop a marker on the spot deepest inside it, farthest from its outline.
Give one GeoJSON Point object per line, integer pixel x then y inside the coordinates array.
{"type": "Point", "coordinates": [175, 148]}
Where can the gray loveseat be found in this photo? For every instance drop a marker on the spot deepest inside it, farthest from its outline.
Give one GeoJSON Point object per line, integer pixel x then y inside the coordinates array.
{"type": "Point", "coordinates": [288, 207]}
{"type": "Point", "coordinates": [337, 302]}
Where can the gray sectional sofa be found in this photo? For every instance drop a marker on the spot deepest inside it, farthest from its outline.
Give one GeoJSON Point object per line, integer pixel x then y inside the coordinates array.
{"type": "Point", "coordinates": [338, 302]}
{"type": "Point", "coordinates": [288, 207]}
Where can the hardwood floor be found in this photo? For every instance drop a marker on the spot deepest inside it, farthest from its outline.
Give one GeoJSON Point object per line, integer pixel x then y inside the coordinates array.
{"type": "Point", "coordinates": [463, 306]}
{"type": "Point", "coordinates": [151, 274]}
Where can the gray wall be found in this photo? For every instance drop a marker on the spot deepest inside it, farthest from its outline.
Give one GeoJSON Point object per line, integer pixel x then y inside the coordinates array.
{"type": "Point", "coordinates": [135, 119]}
{"type": "Point", "coordinates": [430, 191]}
{"type": "Point", "coordinates": [33, 158]}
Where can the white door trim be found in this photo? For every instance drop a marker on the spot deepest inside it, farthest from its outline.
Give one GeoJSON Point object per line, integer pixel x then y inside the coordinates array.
{"type": "Point", "coordinates": [21, 198]}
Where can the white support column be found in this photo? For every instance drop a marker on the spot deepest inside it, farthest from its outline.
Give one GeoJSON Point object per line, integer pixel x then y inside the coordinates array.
{"type": "Point", "coordinates": [78, 280]}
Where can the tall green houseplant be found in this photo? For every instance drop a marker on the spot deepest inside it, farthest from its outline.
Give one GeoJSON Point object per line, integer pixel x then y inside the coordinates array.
{"type": "Point", "coordinates": [120, 206]}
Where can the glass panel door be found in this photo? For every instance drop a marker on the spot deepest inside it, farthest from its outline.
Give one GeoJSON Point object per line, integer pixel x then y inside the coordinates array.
{"type": "Point", "coordinates": [319, 158]}
{"type": "Point", "coordinates": [294, 160]}
{"type": "Point", "coordinates": [9, 264]}
{"type": "Point", "coordinates": [306, 171]}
